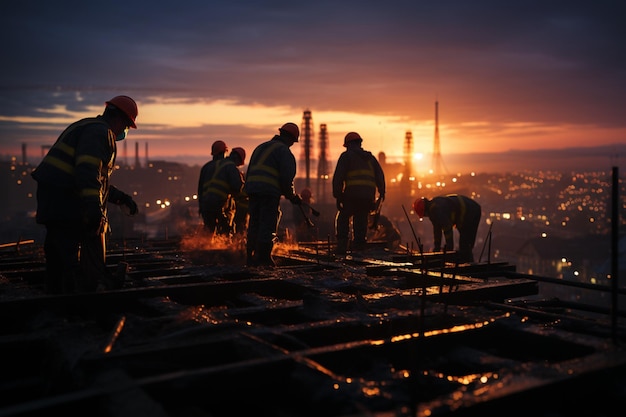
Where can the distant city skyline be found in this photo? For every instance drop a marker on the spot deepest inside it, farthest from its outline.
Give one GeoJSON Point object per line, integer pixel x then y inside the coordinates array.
{"type": "Point", "coordinates": [593, 158]}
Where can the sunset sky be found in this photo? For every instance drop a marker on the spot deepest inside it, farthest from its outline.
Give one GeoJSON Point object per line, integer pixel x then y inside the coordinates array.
{"type": "Point", "coordinates": [506, 74]}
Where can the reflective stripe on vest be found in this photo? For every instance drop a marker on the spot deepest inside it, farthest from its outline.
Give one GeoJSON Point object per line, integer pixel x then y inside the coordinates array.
{"type": "Point", "coordinates": [61, 156]}
{"type": "Point", "coordinates": [462, 210]}
{"type": "Point", "coordinates": [365, 177]}
{"type": "Point", "coordinates": [216, 186]}
{"type": "Point", "coordinates": [263, 173]}
{"type": "Point", "coordinates": [61, 159]}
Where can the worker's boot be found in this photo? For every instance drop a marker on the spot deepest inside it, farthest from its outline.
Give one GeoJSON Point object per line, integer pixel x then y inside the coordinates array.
{"type": "Point", "coordinates": [465, 256]}
{"type": "Point", "coordinates": [115, 280]}
{"type": "Point", "coordinates": [342, 247]}
{"type": "Point", "coordinates": [358, 246]}
{"type": "Point", "coordinates": [250, 261]}
{"type": "Point", "coordinates": [264, 254]}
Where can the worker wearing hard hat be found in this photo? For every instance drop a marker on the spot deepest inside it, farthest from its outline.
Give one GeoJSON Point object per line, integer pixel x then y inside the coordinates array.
{"type": "Point", "coordinates": [357, 177]}
{"type": "Point", "coordinates": [220, 181]}
{"type": "Point", "coordinates": [270, 175]}
{"type": "Point", "coordinates": [240, 218]}
{"type": "Point", "coordinates": [446, 213]}
{"type": "Point", "coordinates": [72, 193]}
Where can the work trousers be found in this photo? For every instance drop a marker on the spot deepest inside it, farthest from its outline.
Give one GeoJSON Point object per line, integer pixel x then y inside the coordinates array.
{"type": "Point", "coordinates": [75, 262]}
{"type": "Point", "coordinates": [357, 210]}
{"type": "Point", "coordinates": [467, 237]}
{"type": "Point", "coordinates": [216, 222]}
{"type": "Point", "coordinates": [263, 222]}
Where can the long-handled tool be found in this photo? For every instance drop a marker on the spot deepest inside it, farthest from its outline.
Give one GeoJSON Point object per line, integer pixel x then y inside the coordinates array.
{"type": "Point", "coordinates": [417, 239]}
{"type": "Point", "coordinates": [313, 211]}
{"type": "Point", "coordinates": [488, 240]}
{"type": "Point", "coordinates": [306, 218]}
{"type": "Point", "coordinates": [378, 208]}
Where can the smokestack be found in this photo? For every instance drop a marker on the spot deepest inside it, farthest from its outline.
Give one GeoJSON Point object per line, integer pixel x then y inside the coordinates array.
{"type": "Point", "coordinates": [147, 160]}
{"type": "Point", "coordinates": [408, 156]}
{"type": "Point", "coordinates": [136, 154]}
{"type": "Point", "coordinates": [24, 154]}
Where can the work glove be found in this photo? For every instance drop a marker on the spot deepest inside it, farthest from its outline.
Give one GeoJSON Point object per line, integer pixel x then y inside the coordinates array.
{"type": "Point", "coordinates": [92, 218]}
{"type": "Point", "coordinates": [296, 199]}
{"type": "Point", "coordinates": [130, 203]}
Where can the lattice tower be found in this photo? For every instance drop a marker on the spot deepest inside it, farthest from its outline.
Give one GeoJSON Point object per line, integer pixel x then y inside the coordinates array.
{"type": "Point", "coordinates": [438, 167]}
{"type": "Point", "coordinates": [306, 133]}
{"type": "Point", "coordinates": [323, 168]}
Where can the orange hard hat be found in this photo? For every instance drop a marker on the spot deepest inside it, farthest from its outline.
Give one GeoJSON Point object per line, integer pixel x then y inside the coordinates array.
{"type": "Point", "coordinates": [218, 147]}
{"type": "Point", "coordinates": [419, 206]}
{"type": "Point", "coordinates": [350, 137]}
{"type": "Point", "coordinates": [242, 154]}
{"type": "Point", "coordinates": [292, 129]}
{"type": "Point", "coordinates": [126, 105]}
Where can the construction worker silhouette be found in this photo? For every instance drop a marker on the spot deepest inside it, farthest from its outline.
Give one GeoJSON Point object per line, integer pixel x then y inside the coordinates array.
{"type": "Point", "coordinates": [385, 231]}
{"type": "Point", "coordinates": [219, 181]}
{"type": "Point", "coordinates": [446, 213]}
{"type": "Point", "coordinates": [357, 177]}
{"type": "Point", "coordinates": [270, 175]}
{"type": "Point", "coordinates": [73, 190]}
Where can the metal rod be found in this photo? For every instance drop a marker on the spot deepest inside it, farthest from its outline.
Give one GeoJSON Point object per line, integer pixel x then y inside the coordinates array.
{"type": "Point", "coordinates": [417, 239]}
{"type": "Point", "coordinates": [313, 211]}
{"type": "Point", "coordinates": [306, 218]}
{"type": "Point", "coordinates": [615, 221]}
{"type": "Point", "coordinates": [480, 258]}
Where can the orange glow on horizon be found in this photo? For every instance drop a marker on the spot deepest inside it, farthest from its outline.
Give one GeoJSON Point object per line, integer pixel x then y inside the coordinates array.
{"type": "Point", "coordinates": [179, 128]}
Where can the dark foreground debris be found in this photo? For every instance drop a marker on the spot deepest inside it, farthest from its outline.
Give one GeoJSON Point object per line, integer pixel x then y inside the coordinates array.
{"type": "Point", "coordinates": [196, 333]}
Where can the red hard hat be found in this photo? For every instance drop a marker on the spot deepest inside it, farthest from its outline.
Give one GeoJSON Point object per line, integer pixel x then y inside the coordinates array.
{"type": "Point", "coordinates": [350, 137]}
{"type": "Point", "coordinates": [292, 129]}
{"type": "Point", "coordinates": [419, 206]}
{"type": "Point", "coordinates": [218, 147]}
{"type": "Point", "coordinates": [306, 194]}
{"type": "Point", "coordinates": [127, 105]}
{"type": "Point", "coordinates": [242, 154]}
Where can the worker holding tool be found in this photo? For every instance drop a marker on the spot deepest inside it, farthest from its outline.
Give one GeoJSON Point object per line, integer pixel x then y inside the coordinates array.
{"type": "Point", "coordinates": [270, 175]}
{"type": "Point", "coordinates": [384, 231]}
{"type": "Point", "coordinates": [72, 193]}
{"type": "Point", "coordinates": [446, 213]}
{"type": "Point", "coordinates": [220, 181]}
{"type": "Point", "coordinates": [237, 206]}
{"type": "Point", "coordinates": [305, 228]}
{"type": "Point", "coordinates": [357, 177]}
{"type": "Point", "coordinates": [240, 221]}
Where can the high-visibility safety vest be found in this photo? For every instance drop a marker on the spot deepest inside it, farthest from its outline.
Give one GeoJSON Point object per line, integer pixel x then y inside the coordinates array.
{"type": "Point", "coordinates": [76, 161]}
{"type": "Point", "coordinates": [260, 172]}
{"type": "Point", "coordinates": [462, 209]}
{"type": "Point", "coordinates": [365, 177]}
{"type": "Point", "coordinates": [215, 185]}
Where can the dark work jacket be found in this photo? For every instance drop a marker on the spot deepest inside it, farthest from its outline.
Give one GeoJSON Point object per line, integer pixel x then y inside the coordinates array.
{"type": "Point", "coordinates": [76, 170]}
{"type": "Point", "coordinates": [219, 179]}
{"type": "Point", "coordinates": [447, 212]}
{"type": "Point", "coordinates": [358, 175]}
{"type": "Point", "coordinates": [271, 170]}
